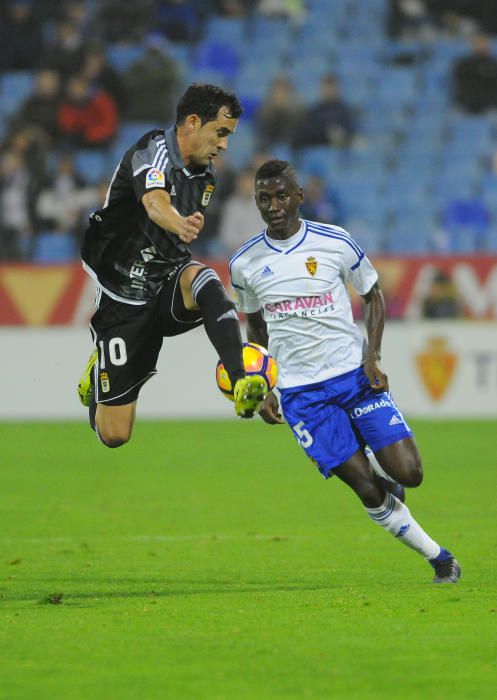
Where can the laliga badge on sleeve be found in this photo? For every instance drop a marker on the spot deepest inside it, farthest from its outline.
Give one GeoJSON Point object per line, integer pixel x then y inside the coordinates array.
{"type": "Point", "coordinates": [155, 178]}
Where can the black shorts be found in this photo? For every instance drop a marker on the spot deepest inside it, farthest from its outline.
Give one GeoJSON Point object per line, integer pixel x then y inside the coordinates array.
{"type": "Point", "coordinates": [129, 337]}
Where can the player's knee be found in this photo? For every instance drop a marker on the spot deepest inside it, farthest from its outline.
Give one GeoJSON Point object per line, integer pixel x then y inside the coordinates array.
{"type": "Point", "coordinates": [113, 436]}
{"type": "Point", "coordinates": [412, 471]}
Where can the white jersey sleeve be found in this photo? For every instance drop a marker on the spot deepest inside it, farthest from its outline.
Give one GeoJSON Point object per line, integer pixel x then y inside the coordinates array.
{"type": "Point", "coordinates": [358, 269]}
{"type": "Point", "coordinates": [245, 297]}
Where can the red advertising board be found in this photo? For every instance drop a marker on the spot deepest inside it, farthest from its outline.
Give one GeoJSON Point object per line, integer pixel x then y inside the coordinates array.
{"type": "Point", "coordinates": [34, 295]}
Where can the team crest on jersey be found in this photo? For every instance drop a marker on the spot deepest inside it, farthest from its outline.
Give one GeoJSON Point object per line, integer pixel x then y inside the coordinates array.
{"type": "Point", "coordinates": [206, 197]}
{"type": "Point", "coordinates": [312, 265]}
{"type": "Point", "coordinates": [104, 382]}
{"type": "Point", "coordinates": [154, 178]}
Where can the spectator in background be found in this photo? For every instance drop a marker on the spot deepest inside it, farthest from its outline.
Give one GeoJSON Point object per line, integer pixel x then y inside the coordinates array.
{"type": "Point", "coordinates": [321, 203]}
{"type": "Point", "coordinates": [442, 300]}
{"type": "Point", "coordinates": [125, 22]}
{"type": "Point", "coordinates": [409, 18]}
{"type": "Point", "coordinates": [240, 218]}
{"type": "Point", "coordinates": [101, 75]}
{"type": "Point", "coordinates": [66, 54]}
{"type": "Point", "coordinates": [16, 221]}
{"type": "Point", "coordinates": [20, 36]}
{"type": "Point", "coordinates": [87, 118]}
{"type": "Point", "coordinates": [294, 10]}
{"type": "Point", "coordinates": [233, 8]}
{"type": "Point", "coordinates": [64, 200]}
{"type": "Point", "coordinates": [329, 122]}
{"type": "Point", "coordinates": [475, 78]}
{"type": "Point", "coordinates": [42, 106]}
{"type": "Point", "coordinates": [150, 84]}
{"type": "Point", "coordinates": [180, 20]}
{"type": "Point", "coordinates": [280, 115]}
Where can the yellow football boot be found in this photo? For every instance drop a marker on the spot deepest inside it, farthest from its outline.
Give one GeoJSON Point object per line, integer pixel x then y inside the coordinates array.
{"type": "Point", "coordinates": [85, 386]}
{"type": "Point", "coordinates": [249, 393]}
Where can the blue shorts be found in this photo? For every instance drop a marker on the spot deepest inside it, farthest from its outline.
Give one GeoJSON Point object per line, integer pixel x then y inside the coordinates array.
{"type": "Point", "coordinates": [333, 419]}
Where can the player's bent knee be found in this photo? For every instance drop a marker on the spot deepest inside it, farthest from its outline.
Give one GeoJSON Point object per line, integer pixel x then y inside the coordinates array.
{"type": "Point", "coordinates": [113, 435]}
{"type": "Point", "coordinates": [412, 472]}
{"type": "Point", "coordinates": [113, 439]}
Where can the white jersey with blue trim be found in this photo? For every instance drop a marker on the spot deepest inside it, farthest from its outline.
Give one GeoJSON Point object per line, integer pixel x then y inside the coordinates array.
{"type": "Point", "coordinates": [300, 284]}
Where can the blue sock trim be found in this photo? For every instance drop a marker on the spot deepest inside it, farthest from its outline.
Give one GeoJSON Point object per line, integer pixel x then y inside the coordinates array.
{"type": "Point", "coordinates": [444, 554]}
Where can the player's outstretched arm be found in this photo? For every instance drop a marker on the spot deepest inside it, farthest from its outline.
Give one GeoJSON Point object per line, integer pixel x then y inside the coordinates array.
{"type": "Point", "coordinates": [375, 322]}
{"type": "Point", "coordinates": [158, 206]}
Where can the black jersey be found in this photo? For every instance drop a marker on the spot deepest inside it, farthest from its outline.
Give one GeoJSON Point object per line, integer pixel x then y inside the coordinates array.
{"type": "Point", "coordinates": [124, 250]}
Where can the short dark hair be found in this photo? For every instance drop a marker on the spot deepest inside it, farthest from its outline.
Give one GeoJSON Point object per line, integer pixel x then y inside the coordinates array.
{"type": "Point", "coordinates": [276, 168]}
{"type": "Point", "coordinates": [206, 101]}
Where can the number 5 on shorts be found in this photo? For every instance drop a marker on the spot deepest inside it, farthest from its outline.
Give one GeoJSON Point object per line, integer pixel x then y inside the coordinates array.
{"type": "Point", "coordinates": [303, 436]}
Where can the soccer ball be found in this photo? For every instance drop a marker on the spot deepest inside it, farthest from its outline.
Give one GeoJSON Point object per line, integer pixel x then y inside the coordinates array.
{"type": "Point", "coordinates": [257, 360]}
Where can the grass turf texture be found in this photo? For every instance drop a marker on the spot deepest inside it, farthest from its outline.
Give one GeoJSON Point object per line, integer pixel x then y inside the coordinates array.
{"type": "Point", "coordinates": [210, 560]}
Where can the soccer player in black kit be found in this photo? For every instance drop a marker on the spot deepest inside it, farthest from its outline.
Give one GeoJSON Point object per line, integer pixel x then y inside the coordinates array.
{"type": "Point", "coordinates": [148, 287]}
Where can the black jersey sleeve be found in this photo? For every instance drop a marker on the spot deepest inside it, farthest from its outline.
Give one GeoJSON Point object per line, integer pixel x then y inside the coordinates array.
{"type": "Point", "coordinates": [148, 165]}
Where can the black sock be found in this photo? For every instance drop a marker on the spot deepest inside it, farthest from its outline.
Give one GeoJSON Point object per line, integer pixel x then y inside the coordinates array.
{"type": "Point", "coordinates": [220, 321]}
{"type": "Point", "coordinates": [92, 409]}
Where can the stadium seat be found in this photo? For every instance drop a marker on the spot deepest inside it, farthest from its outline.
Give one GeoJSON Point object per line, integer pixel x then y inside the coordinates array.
{"type": "Point", "coordinates": [15, 87]}
{"type": "Point", "coordinates": [93, 166]}
{"type": "Point", "coordinates": [54, 247]}
{"type": "Point", "coordinates": [319, 160]}
{"type": "Point", "coordinates": [122, 56]}
{"type": "Point", "coordinates": [219, 57]}
{"type": "Point", "coordinates": [466, 221]}
{"type": "Point", "coordinates": [226, 30]}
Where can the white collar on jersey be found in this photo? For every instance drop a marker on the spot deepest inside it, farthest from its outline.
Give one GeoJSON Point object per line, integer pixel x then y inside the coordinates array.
{"type": "Point", "coordinates": [288, 244]}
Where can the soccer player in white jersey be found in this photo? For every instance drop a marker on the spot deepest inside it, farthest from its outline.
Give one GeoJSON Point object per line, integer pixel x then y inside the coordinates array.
{"type": "Point", "coordinates": [291, 281]}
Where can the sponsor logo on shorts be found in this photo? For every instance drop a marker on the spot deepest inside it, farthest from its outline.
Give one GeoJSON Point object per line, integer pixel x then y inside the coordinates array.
{"type": "Point", "coordinates": [155, 178]}
{"type": "Point", "coordinates": [104, 382]}
{"type": "Point", "coordinates": [374, 406]}
{"type": "Point", "coordinates": [394, 420]}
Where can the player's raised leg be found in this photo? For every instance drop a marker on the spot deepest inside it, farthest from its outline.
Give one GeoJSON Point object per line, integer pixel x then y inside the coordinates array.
{"type": "Point", "coordinates": [112, 424]}
{"type": "Point", "coordinates": [202, 289]}
{"type": "Point", "coordinates": [393, 516]}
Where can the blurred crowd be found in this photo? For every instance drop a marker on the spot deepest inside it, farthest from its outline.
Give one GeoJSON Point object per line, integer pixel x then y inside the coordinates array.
{"type": "Point", "coordinates": [77, 105]}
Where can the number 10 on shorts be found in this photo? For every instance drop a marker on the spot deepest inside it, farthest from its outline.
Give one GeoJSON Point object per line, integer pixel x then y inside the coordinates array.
{"type": "Point", "coordinates": [117, 352]}
{"type": "Point", "coordinates": [304, 437]}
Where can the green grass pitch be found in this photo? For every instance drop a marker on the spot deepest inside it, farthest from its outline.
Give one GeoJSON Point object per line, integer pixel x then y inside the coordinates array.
{"type": "Point", "coordinates": [210, 560]}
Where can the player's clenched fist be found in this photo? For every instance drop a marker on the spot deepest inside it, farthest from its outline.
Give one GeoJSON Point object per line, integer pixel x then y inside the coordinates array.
{"type": "Point", "coordinates": [191, 227]}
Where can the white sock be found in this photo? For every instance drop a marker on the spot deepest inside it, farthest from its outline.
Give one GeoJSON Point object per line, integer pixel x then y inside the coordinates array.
{"type": "Point", "coordinates": [395, 517]}
{"type": "Point", "coordinates": [376, 465]}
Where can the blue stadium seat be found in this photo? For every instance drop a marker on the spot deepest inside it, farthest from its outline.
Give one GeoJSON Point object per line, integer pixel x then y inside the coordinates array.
{"type": "Point", "coordinates": [54, 247]}
{"type": "Point", "coordinates": [122, 56]}
{"type": "Point", "coordinates": [320, 160]}
{"type": "Point", "coordinates": [466, 222]}
{"type": "Point", "coordinates": [93, 166]}
{"type": "Point", "coordinates": [241, 147]}
{"type": "Point", "coordinates": [230, 30]}
{"type": "Point", "coordinates": [217, 56]}
{"type": "Point", "coordinates": [410, 236]}
{"type": "Point", "coordinates": [15, 87]}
